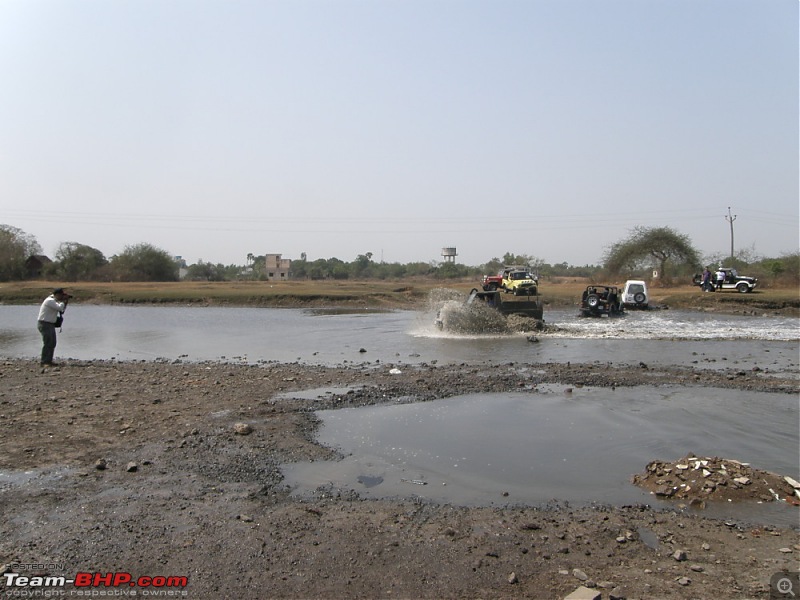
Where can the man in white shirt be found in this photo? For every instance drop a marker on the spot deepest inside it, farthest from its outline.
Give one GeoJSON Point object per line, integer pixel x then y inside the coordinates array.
{"type": "Point", "coordinates": [720, 278]}
{"type": "Point", "coordinates": [50, 310]}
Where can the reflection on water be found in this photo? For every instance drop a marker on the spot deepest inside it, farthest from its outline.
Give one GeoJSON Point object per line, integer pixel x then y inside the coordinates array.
{"type": "Point", "coordinates": [535, 447]}
{"type": "Point", "coordinates": [318, 337]}
{"type": "Point", "coordinates": [581, 445]}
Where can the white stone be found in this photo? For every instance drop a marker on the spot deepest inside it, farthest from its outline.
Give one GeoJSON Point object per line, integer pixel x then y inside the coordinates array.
{"type": "Point", "coordinates": [242, 429]}
{"type": "Point", "coordinates": [791, 482]}
{"type": "Point", "coordinates": [584, 593]}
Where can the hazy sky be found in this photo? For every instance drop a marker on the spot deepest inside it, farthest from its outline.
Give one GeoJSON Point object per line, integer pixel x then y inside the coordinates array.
{"type": "Point", "coordinates": [217, 128]}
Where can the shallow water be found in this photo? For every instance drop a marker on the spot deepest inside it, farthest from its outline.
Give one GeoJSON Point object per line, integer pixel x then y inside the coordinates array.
{"type": "Point", "coordinates": [401, 337]}
{"type": "Point", "coordinates": [580, 446]}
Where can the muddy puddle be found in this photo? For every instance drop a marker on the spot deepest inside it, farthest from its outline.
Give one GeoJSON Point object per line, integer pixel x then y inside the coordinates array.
{"type": "Point", "coordinates": [576, 445]}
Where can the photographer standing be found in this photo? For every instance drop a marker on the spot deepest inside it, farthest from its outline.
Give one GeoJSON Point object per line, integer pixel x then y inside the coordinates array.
{"type": "Point", "coordinates": [49, 318]}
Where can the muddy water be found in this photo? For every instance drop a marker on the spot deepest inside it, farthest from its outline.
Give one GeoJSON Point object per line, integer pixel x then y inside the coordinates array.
{"type": "Point", "coordinates": [579, 445]}
{"type": "Point", "coordinates": [402, 337]}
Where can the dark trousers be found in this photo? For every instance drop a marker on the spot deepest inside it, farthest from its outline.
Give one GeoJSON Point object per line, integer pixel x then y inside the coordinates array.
{"type": "Point", "coordinates": [48, 331]}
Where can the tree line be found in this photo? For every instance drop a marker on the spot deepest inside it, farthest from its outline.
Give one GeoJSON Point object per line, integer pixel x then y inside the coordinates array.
{"type": "Point", "coordinates": [643, 251]}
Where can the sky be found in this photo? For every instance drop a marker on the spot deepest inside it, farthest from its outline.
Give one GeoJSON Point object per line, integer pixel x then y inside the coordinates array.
{"type": "Point", "coordinates": [214, 129]}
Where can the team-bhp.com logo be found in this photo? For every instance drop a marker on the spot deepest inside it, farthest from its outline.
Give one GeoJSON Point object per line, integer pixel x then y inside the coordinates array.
{"type": "Point", "coordinates": [90, 583]}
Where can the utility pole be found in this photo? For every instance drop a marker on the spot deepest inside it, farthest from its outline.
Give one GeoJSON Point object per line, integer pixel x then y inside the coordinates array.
{"type": "Point", "coordinates": [730, 219]}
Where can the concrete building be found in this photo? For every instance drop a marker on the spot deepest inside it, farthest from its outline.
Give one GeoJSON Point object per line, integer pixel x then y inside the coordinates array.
{"type": "Point", "coordinates": [277, 268]}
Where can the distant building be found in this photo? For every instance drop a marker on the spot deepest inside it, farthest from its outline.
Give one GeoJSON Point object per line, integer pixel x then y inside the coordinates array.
{"type": "Point", "coordinates": [449, 254]}
{"type": "Point", "coordinates": [34, 265]}
{"type": "Point", "coordinates": [277, 268]}
{"type": "Point", "coordinates": [183, 269]}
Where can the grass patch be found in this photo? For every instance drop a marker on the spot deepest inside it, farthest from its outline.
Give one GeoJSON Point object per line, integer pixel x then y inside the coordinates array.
{"type": "Point", "coordinates": [372, 294]}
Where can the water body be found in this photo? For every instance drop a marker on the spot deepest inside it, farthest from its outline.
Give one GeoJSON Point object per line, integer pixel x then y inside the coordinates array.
{"type": "Point", "coordinates": [580, 446]}
{"type": "Point", "coordinates": [254, 335]}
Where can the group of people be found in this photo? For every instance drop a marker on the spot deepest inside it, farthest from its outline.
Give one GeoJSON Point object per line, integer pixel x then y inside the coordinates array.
{"type": "Point", "coordinates": [718, 277]}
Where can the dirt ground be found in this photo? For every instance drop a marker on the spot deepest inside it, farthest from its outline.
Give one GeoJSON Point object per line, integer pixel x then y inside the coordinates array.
{"type": "Point", "coordinates": [158, 469]}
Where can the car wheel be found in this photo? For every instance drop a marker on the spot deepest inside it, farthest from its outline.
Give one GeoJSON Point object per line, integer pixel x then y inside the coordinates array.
{"type": "Point", "coordinates": [638, 298]}
{"type": "Point", "coordinates": [592, 301]}
{"type": "Point", "coordinates": [743, 288]}
{"type": "Point", "coordinates": [492, 287]}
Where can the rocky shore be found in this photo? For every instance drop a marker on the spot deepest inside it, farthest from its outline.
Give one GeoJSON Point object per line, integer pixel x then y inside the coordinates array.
{"type": "Point", "coordinates": [172, 469]}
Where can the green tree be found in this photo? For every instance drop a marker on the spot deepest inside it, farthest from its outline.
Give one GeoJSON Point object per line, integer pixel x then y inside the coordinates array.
{"type": "Point", "coordinates": [523, 260]}
{"type": "Point", "coordinates": [448, 270]}
{"type": "Point", "coordinates": [419, 269]}
{"type": "Point", "coordinates": [76, 261]}
{"type": "Point", "coordinates": [203, 271]}
{"type": "Point", "coordinates": [493, 266]}
{"type": "Point", "coordinates": [16, 247]}
{"type": "Point", "coordinates": [662, 247]}
{"type": "Point", "coordinates": [361, 265]}
{"type": "Point", "coordinates": [784, 269]}
{"type": "Point", "coordinates": [144, 262]}
{"type": "Point", "coordinates": [338, 269]}
{"type": "Point", "coordinates": [259, 267]}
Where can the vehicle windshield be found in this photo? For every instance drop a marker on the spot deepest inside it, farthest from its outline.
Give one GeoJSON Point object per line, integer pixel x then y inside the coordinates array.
{"type": "Point", "coordinates": [635, 288]}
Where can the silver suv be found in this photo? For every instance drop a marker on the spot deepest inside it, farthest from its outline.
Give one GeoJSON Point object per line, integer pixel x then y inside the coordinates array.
{"type": "Point", "coordinates": [635, 295]}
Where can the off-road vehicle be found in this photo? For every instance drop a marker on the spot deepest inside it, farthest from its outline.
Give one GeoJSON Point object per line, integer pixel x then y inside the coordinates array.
{"type": "Point", "coordinates": [495, 282]}
{"type": "Point", "coordinates": [634, 294]}
{"type": "Point", "coordinates": [732, 281]}
{"type": "Point", "coordinates": [531, 307]}
{"type": "Point", "coordinates": [521, 283]}
{"type": "Point", "coordinates": [599, 300]}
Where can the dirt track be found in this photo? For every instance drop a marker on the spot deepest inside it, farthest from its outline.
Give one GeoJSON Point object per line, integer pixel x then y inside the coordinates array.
{"type": "Point", "coordinates": [178, 492]}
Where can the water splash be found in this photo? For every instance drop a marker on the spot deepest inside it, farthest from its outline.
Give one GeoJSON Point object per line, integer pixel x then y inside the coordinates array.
{"type": "Point", "coordinates": [454, 315]}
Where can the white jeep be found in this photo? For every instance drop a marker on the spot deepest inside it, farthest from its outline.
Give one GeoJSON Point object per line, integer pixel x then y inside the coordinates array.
{"type": "Point", "coordinates": [731, 281]}
{"type": "Point", "coordinates": [634, 294]}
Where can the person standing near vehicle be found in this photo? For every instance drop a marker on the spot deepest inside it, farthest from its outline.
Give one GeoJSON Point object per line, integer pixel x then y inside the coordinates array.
{"type": "Point", "coordinates": [720, 278]}
{"type": "Point", "coordinates": [706, 280]}
{"type": "Point", "coordinates": [49, 318]}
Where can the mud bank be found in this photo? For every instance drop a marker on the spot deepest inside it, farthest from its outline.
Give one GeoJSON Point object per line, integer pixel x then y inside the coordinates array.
{"type": "Point", "coordinates": [141, 468]}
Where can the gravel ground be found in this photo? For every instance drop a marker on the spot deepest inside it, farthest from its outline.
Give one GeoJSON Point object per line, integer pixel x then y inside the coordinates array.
{"type": "Point", "coordinates": [159, 469]}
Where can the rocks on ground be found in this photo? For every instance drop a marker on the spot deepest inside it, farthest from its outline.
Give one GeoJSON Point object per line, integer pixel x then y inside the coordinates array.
{"type": "Point", "coordinates": [701, 479]}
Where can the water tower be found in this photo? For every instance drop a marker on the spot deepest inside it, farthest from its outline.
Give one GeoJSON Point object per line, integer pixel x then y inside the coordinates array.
{"type": "Point", "coordinates": [449, 255]}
